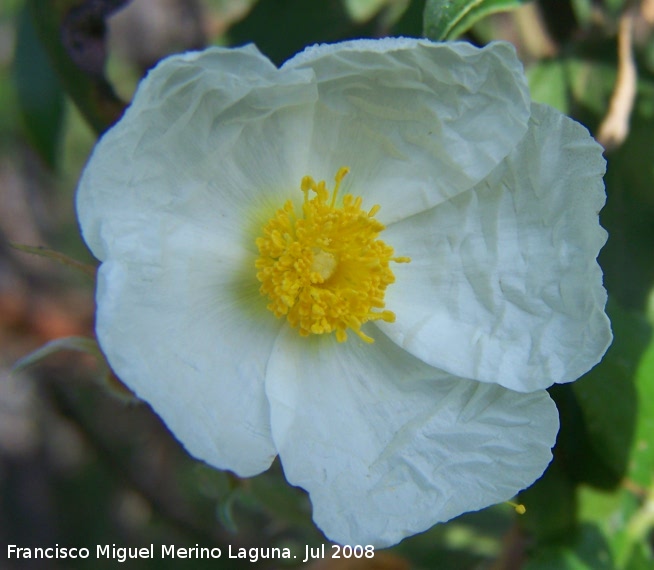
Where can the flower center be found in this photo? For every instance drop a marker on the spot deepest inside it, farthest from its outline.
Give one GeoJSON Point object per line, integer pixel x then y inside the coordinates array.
{"type": "Point", "coordinates": [326, 271]}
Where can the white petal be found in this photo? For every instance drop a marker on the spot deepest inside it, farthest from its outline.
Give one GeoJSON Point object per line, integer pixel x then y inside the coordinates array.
{"type": "Point", "coordinates": [180, 323]}
{"type": "Point", "coordinates": [417, 122]}
{"type": "Point", "coordinates": [504, 285]}
{"type": "Point", "coordinates": [387, 446]}
{"type": "Point", "coordinates": [218, 138]}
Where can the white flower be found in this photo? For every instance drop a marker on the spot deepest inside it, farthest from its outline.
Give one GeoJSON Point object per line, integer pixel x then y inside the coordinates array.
{"type": "Point", "coordinates": [205, 206]}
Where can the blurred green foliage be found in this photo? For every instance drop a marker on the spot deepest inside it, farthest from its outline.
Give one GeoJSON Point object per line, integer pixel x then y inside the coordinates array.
{"type": "Point", "coordinates": [448, 19]}
{"type": "Point", "coordinates": [39, 92]}
{"type": "Point", "coordinates": [593, 508]}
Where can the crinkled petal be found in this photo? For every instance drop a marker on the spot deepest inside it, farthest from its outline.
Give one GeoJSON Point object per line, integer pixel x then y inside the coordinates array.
{"type": "Point", "coordinates": [170, 200]}
{"type": "Point", "coordinates": [417, 122]}
{"type": "Point", "coordinates": [387, 446]}
{"type": "Point", "coordinates": [183, 328]}
{"type": "Point", "coordinates": [218, 138]}
{"type": "Point", "coordinates": [504, 285]}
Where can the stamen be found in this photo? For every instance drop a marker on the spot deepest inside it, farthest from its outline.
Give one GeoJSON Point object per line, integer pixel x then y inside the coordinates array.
{"type": "Point", "coordinates": [326, 271]}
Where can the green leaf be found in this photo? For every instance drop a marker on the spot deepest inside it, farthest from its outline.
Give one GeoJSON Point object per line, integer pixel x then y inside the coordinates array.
{"type": "Point", "coordinates": [40, 96]}
{"type": "Point", "coordinates": [607, 395]}
{"type": "Point", "coordinates": [281, 500]}
{"type": "Point", "coordinates": [282, 28]}
{"type": "Point", "coordinates": [548, 83]}
{"type": "Point", "coordinates": [627, 516]}
{"type": "Point", "coordinates": [77, 343]}
{"type": "Point", "coordinates": [642, 457]}
{"type": "Point", "coordinates": [583, 10]}
{"type": "Point", "coordinates": [591, 84]}
{"type": "Point", "coordinates": [598, 506]}
{"type": "Point", "coordinates": [641, 558]}
{"type": "Point", "coordinates": [551, 514]}
{"type": "Point", "coordinates": [574, 450]}
{"type": "Point", "coordinates": [448, 19]}
{"type": "Point", "coordinates": [212, 483]}
{"type": "Point", "coordinates": [615, 6]}
{"type": "Point", "coordinates": [588, 551]}
{"type": "Point", "coordinates": [472, 540]}
{"type": "Point", "coordinates": [574, 85]}
{"type": "Point", "coordinates": [630, 537]}
{"type": "Point", "coordinates": [627, 256]}
{"type": "Point", "coordinates": [411, 22]}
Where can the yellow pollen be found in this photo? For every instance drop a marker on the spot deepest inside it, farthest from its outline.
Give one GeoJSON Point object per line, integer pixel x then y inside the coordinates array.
{"type": "Point", "coordinates": [326, 271]}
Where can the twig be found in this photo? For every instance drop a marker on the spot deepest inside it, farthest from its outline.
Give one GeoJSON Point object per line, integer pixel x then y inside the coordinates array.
{"type": "Point", "coordinates": [615, 127]}
{"type": "Point", "coordinates": [536, 40]}
{"type": "Point", "coordinates": [647, 9]}
{"type": "Point", "coordinates": [85, 268]}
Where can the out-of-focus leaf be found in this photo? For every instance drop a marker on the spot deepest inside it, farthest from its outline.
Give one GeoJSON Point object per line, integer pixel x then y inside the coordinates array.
{"type": "Point", "coordinates": [411, 22]}
{"type": "Point", "coordinates": [212, 483]}
{"type": "Point", "coordinates": [598, 506]}
{"type": "Point", "coordinates": [548, 83]}
{"type": "Point", "coordinates": [616, 6]}
{"type": "Point", "coordinates": [627, 256]}
{"type": "Point", "coordinates": [587, 551]}
{"type": "Point", "coordinates": [641, 471]}
{"type": "Point", "coordinates": [574, 450]}
{"type": "Point", "coordinates": [591, 85]}
{"type": "Point", "coordinates": [630, 538]}
{"type": "Point", "coordinates": [472, 540]}
{"type": "Point", "coordinates": [626, 516]}
{"type": "Point", "coordinates": [641, 558]}
{"type": "Point", "coordinates": [57, 256]}
{"type": "Point", "coordinates": [642, 457]}
{"type": "Point", "coordinates": [280, 499]}
{"type": "Point", "coordinates": [76, 343]}
{"type": "Point", "coordinates": [575, 85]}
{"type": "Point", "coordinates": [281, 28]}
{"type": "Point", "coordinates": [648, 55]}
{"type": "Point", "coordinates": [583, 10]}
{"type": "Point", "coordinates": [40, 96]}
{"type": "Point", "coordinates": [448, 19]}
{"type": "Point", "coordinates": [72, 32]}
{"type": "Point", "coordinates": [551, 504]}
{"type": "Point", "coordinates": [607, 395]}
{"type": "Point", "coordinates": [9, 107]}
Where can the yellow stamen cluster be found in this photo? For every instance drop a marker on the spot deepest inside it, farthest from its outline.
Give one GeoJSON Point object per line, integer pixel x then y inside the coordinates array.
{"type": "Point", "coordinates": [326, 271]}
